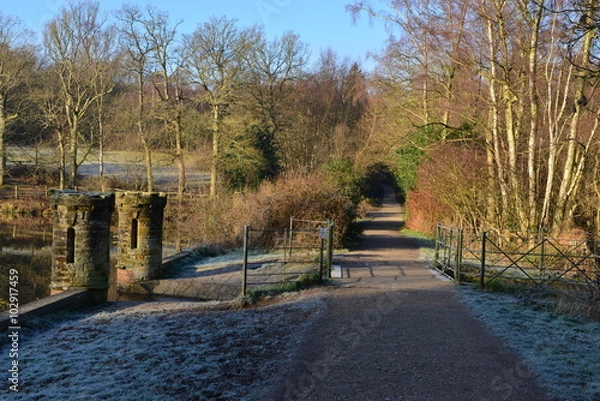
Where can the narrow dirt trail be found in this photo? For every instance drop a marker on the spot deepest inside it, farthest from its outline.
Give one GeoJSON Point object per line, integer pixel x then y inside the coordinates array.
{"type": "Point", "coordinates": [394, 331]}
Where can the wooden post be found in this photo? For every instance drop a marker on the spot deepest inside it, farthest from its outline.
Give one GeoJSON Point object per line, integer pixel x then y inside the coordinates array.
{"type": "Point", "coordinates": [482, 270]}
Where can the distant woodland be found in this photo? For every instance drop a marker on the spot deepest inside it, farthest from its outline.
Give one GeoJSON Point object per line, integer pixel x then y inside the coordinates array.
{"type": "Point", "coordinates": [485, 113]}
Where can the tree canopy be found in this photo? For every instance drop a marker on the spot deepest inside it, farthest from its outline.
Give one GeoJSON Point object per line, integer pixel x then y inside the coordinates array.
{"type": "Point", "coordinates": [485, 111]}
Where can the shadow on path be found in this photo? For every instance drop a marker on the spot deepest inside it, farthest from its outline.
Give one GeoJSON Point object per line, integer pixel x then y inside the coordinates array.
{"type": "Point", "coordinates": [393, 331]}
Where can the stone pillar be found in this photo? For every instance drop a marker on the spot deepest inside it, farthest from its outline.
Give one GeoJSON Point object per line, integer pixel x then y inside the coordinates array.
{"type": "Point", "coordinates": [140, 236]}
{"type": "Point", "coordinates": [81, 242]}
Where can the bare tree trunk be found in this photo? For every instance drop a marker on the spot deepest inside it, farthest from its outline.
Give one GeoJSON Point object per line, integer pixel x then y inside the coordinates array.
{"type": "Point", "coordinates": [214, 161]}
{"type": "Point", "coordinates": [148, 159]}
{"type": "Point", "coordinates": [179, 156]}
{"type": "Point", "coordinates": [101, 139]}
{"type": "Point", "coordinates": [494, 123]}
{"type": "Point", "coordinates": [556, 105]}
{"type": "Point", "coordinates": [142, 134]}
{"type": "Point", "coordinates": [62, 159]}
{"type": "Point", "coordinates": [73, 150]}
{"type": "Point", "coordinates": [512, 116]}
{"type": "Point", "coordinates": [569, 178]}
{"type": "Point", "coordinates": [534, 108]}
{"type": "Point", "coordinates": [101, 154]}
{"type": "Point", "coordinates": [511, 121]}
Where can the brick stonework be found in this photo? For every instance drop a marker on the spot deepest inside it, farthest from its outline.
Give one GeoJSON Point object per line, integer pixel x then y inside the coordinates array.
{"type": "Point", "coordinates": [81, 241]}
{"type": "Point", "coordinates": [140, 231]}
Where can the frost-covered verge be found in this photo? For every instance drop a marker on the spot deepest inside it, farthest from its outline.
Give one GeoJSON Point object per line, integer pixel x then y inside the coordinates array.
{"type": "Point", "coordinates": [563, 351]}
{"type": "Point", "coordinates": [159, 351]}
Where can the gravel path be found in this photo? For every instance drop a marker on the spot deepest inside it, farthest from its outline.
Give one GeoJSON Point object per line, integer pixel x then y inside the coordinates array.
{"type": "Point", "coordinates": [392, 330]}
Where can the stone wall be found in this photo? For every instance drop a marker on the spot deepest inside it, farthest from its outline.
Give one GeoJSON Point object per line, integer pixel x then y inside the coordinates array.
{"type": "Point", "coordinates": [81, 241]}
{"type": "Point", "coordinates": [139, 255]}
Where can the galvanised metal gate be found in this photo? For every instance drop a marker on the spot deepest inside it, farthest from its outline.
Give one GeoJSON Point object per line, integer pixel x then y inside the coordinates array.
{"type": "Point", "coordinates": [273, 257]}
{"type": "Point", "coordinates": [534, 259]}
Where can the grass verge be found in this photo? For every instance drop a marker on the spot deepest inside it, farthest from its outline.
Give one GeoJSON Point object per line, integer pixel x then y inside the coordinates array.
{"type": "Point", "coordinates": [304, 281]}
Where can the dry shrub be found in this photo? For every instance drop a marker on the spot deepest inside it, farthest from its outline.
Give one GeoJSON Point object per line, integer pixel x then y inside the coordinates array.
{"type": "Point", "coordinates": [205, 220]}
{"type": "Point", "coordinates": [34, 174]}
{"type": "Point", "coordinates": [424, 211]}
{"type": "Point", "coordinates": [302, 196]}
{"type": "Point", "coordinates": [220, 222]}
{"type": "Point", "coordinates": [584, 301]}
{"type": "Point", "coordinates": [451, 189]}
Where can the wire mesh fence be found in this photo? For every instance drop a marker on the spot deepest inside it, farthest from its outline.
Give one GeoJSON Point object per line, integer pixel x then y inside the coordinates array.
{"type": "Point", "coordinates": [280, 256]}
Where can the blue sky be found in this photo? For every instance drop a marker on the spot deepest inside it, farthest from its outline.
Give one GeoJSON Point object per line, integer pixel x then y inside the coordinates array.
{"type": "Point", "coordinates": [321, 24]}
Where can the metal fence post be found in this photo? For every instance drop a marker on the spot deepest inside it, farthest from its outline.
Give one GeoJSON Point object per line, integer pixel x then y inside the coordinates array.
{"type": "Point", "coordinates": [286, 235]}
{"type": "Point", "coordinates": [543, 255]}
{"type": "Point", "coordinates": [482, 270]}
{"type": "Point", "coordinates": [458, 256]}
{"type": "Point", "coordinates": [330, 248]}
{"type": "Point", "coordinates": [321, 255]}
{"type": "Point", "coordinates": [437, 246]}
{"type": "Point", "coordinates": [291, 236]}
{"type": "Point", "coordinates": [245, 263]}
{"type": "Point", "coordinates": [448, 258]}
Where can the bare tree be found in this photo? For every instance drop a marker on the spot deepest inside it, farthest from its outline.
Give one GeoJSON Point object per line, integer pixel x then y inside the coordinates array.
{"type": "Point", "coordinates": [74, 43]}
{"type": "Point", "coordinates": [526, 70]}
{"type": "Point", "coordinates": [579, 138]}
{"type": "Point", "coordinates": [324, 113]}
{"type": "Point", "coordinates": [215, 63]}
{"type": "Point", "coordinates": [17, 58]}
{"type": "Point", "coordinates": [137, 46]}
{"type": "Point", "coordinates": [426, 52]}
{"type": "Point", "coordinates": [168, 81]}
{"type": "Point", "coordinates": [271, 70]}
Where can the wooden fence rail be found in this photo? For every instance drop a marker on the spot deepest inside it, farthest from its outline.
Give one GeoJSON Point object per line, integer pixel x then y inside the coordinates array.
{"type": "Point", "coordinates": [23, 191]}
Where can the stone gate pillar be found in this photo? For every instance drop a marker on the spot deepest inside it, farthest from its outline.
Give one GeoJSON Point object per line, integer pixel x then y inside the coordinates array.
{"type": "Point", "coordinates": [140, 236]}
{"type": "Point", "coordinates": [81, 242]}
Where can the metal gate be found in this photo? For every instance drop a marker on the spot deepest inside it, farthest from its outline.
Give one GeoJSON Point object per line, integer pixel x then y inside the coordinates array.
{"type": "Point", "coordinates": [532, 259]}
{"type": "Point", "coordinates": [273, 257]}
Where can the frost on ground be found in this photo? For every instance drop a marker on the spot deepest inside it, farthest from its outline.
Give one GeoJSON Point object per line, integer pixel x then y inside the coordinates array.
{"type": "Point", "coordinates": [563, 351]}
{"type": "Point", "coordinates": [230, 261]}
{"type": "Point", "coordinates": [160, 351]}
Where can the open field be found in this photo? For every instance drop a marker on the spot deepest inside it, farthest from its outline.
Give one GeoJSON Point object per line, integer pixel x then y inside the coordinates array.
{"type": "Point", "coordinates": [119, 165]}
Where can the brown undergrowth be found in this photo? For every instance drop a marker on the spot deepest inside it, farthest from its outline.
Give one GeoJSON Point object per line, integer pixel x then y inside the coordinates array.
{"type": "Point", "coordinates": [220, 221]}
